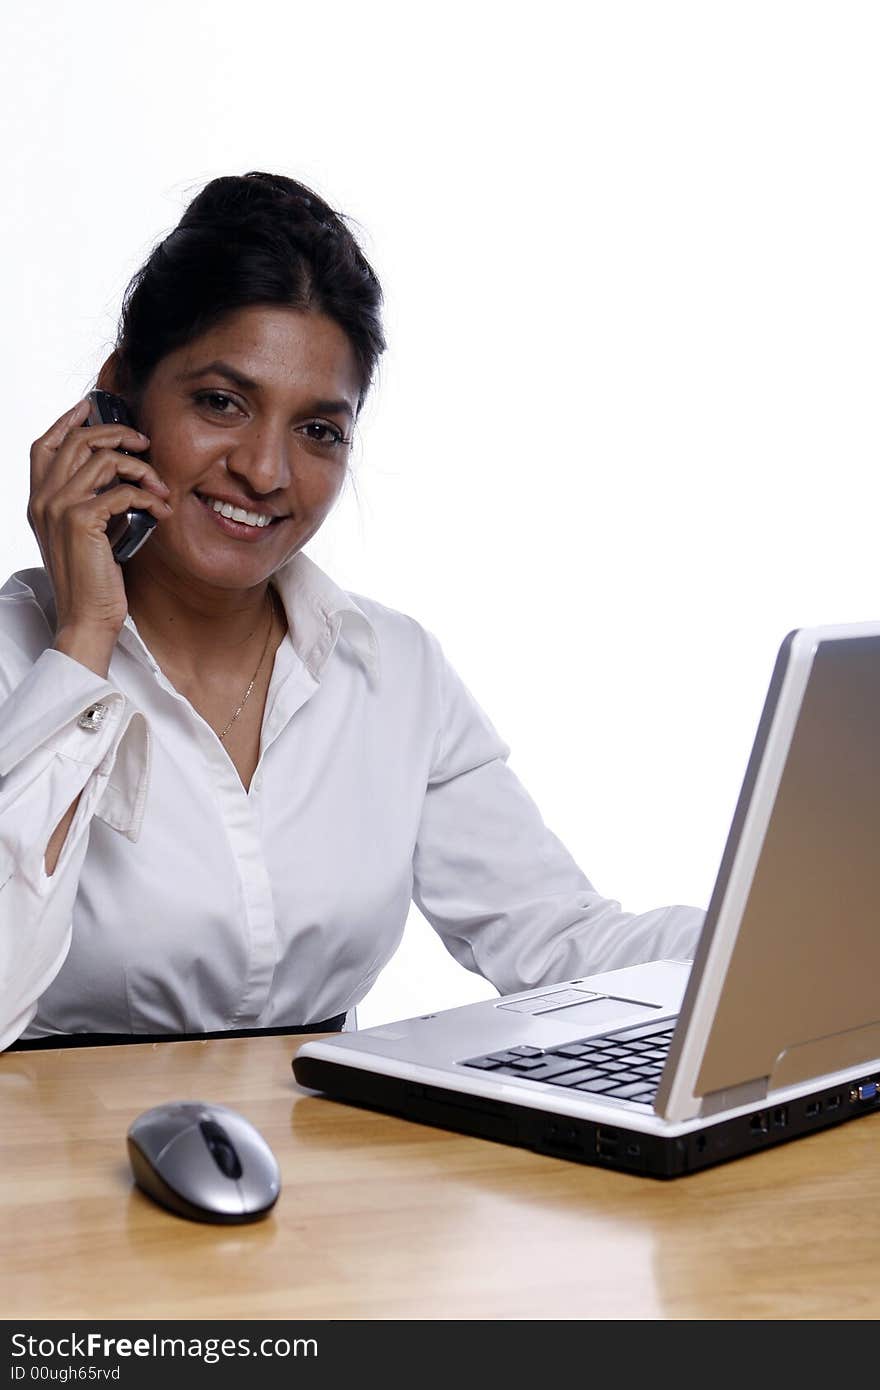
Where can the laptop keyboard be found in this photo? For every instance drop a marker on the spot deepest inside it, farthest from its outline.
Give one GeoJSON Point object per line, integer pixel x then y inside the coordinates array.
{"type": "Point", "coordinates": [625, 1065]}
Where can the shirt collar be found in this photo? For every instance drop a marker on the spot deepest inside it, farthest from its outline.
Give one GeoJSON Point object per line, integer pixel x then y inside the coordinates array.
{"type": "Point", "coordinates": [317, 609]}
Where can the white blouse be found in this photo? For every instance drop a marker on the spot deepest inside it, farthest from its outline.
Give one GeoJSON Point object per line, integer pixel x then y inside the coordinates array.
{"type": "Point", "coordinates": [182, 903]}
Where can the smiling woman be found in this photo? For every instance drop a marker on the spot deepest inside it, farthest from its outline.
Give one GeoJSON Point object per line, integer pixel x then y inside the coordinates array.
{"type": "Point", "coordinates": [223, 778]}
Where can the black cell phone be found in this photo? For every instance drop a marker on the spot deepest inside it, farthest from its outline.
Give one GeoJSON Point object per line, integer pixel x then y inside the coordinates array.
{"type": "Point", "coordinates": [127, 531]}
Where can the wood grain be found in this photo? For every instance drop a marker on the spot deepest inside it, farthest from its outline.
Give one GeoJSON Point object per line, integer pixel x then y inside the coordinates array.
{"type": "Point", "coordinates": [382, 1218]}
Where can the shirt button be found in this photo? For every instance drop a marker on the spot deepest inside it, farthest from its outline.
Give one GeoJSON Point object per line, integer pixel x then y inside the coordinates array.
{"type": "Point", "coordinates": [92, 718]}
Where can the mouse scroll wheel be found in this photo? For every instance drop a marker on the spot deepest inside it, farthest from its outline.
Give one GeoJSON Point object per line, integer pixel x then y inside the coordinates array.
{"type": "Point", "coordinates": [222, 1152]}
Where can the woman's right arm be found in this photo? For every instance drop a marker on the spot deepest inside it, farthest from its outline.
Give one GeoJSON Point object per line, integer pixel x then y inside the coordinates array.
{"type": "Point", "coordinates": [63, 724]}
{"type": "Point", "coordinates": [56, 766]}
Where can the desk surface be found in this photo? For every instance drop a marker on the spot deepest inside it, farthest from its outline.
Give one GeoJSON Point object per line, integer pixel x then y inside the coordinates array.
{"type": "Point", "coordinates": [382, 1218]}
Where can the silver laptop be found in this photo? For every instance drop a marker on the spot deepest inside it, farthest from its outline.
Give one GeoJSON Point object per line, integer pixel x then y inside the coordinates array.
{"type": "Point", "coordinates": [664, 1068]}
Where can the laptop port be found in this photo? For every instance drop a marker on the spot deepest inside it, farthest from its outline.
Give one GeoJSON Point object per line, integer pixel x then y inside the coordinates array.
{"type": "Point", "coordinates": [866, 1091]}
{"type": "Point", "coordinates": [832, 1103]}
{"type": "Point", "coordinates": [607, 1143]}
{"type": "Point", "coordinates": [780, 1117]}
{"type": "Point", "coordinates": [564, 1138]}
{"type": "Point", "coordinates": [758, 1124]}
{"type": "Point", "coordinates": [813, 1108]}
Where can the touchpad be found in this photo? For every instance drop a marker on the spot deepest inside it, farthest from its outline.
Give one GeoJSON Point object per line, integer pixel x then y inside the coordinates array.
{"type": "Point", "coordinates": [602, 1011]}
{"type": "Point", "coordinates": [581, 1006]}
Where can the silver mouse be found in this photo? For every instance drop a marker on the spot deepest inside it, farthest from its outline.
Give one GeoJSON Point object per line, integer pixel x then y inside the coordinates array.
{"type": "Point", "coordinates": [203, 1161]}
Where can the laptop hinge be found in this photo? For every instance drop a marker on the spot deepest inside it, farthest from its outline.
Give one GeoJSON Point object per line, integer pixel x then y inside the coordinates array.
{"type": "Point", "coordinates": [746, 1093]}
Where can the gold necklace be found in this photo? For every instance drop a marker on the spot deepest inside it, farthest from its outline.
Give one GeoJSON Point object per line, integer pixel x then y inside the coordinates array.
{"type": "Point", "coordinates": [257, 672]}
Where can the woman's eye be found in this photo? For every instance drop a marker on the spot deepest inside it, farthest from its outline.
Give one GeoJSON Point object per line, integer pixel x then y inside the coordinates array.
{"type": "Point", "coordinates": [209, 397]}
{"type": "Point", "coordinates": [330, 434]}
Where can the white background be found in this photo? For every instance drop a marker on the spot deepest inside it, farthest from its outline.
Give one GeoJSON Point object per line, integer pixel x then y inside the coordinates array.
{"type": "Point", "coordinates": [625, 436]}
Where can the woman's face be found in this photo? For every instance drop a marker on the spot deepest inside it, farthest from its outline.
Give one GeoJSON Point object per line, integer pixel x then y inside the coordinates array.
{"type": "Point", "coordinates": [275, 440]}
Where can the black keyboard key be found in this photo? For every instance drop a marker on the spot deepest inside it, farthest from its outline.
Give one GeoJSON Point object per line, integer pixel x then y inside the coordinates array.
{"type": "Point", "coordinates": [509, 1055]}
{"type": "Point", "coordinates": [637, 1091]}
{"type": "Point", "coordinates": [484, 1063]}
{"type": "Point", "coordinates": [574, 1049]}
{"type": "Point", "coordinates": [603, 1083]}
{"type": "Point", "coordinates": [547, 1068]}
{"type": "Point", "coordinates": [525, 1051]}
{"type": "Point", "coordinates": [523, 1064]}
{"type": "Point", "coordinates": [574, 1078]}
{"type": "Point", "coordinates": [623, 1078]}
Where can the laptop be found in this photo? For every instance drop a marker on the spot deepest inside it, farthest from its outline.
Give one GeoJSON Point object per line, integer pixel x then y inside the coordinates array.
{"type": "Point", "coordinates": [664, 1068]}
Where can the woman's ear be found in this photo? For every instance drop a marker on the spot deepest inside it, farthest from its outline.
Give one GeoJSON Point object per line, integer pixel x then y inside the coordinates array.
{"type": "Point", "coordinates": [109, 375]}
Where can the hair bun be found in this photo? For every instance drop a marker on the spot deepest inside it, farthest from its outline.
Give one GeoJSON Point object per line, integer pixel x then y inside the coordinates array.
{"type": "Point", "coordinates": [236, 196]}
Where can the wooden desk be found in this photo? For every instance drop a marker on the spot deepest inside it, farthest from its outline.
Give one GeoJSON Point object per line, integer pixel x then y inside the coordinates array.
{"type": "Point", "coordinates": [381, 1218]}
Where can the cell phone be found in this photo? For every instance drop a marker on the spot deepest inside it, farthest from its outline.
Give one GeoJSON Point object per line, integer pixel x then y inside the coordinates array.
{"type": "Point", "coordinates": [127, 531]}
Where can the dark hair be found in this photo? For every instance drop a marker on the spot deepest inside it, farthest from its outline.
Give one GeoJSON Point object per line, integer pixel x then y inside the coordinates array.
{"type": "Point", "coordinates": [248, 239]}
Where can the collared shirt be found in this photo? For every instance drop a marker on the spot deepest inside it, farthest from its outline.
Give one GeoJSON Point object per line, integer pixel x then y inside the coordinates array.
{"type": "Point", "coordinates": [183, 903]}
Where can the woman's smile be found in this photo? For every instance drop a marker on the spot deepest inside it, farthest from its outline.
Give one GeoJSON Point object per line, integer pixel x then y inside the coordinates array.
{"type": "Point", "coordinates": [240, 530]}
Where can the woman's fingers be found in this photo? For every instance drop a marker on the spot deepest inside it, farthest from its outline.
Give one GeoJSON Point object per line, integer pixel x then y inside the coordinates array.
{"type": "Point", "coordinates": [44, 449]}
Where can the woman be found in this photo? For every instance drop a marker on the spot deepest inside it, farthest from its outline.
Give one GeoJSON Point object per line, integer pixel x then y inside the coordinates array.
{"type": "Point", "coordinates": [223, 777]}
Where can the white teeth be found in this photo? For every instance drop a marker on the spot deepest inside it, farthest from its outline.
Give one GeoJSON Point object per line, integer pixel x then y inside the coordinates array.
{"type": "Point", "coordinates": [237, 513]}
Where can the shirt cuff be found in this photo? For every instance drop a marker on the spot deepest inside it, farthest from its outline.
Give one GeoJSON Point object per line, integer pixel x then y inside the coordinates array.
{"type": "Point", "coordinates": [63, 707]}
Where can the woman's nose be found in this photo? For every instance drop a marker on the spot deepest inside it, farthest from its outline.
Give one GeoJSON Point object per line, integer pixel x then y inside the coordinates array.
{"type": "Point", "coordinates": [265, 460]}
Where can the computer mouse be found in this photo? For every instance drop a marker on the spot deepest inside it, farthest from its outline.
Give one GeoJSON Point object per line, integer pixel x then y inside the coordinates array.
{"type": "Point", "coordinates": [204, 1162]}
